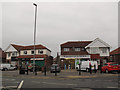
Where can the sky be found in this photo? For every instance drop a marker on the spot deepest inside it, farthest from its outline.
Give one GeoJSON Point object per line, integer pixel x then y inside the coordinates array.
{"type": "Point", "coordinates": [59, 22]}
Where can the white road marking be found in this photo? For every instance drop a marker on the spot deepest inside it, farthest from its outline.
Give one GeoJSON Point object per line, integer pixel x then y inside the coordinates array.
{"type": "Point", "coordinates": [11, 86]}
{"type": "Point", "coordinates": [112, 87]}
{"type": "Point", "coordinates": [58, 83]}
{"type": "Point", "coordinates": [20, 85]}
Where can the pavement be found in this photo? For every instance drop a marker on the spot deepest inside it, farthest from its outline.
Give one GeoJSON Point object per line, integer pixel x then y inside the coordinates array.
{"type": "Point", "coordinates": [64, 74]}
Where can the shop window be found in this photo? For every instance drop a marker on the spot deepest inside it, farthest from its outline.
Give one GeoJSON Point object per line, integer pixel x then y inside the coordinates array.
{"type": "Point", "coordinates": [66, 49]}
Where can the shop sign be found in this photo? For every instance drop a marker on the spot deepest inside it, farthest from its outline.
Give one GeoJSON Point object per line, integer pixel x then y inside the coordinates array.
{"type": "Point", "coordinates": [75, 56]}
{"type": "Point", "coordinates": [37, 59]}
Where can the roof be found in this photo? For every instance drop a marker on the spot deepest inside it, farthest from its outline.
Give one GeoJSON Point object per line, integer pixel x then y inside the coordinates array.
{"type": "Point", "coordinates": [116, 51]}
{"type": "Point", "coordinates": [20, 47]}
{"type": "Point", "coordinates": [32, 56]}
{"type": "Point", "coordinates": [100, 44]}
{"type": "Point", "coordinates": [76, 44]}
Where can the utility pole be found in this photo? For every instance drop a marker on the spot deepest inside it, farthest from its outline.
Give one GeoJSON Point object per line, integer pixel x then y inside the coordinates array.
{"type": "Point", "coordinates": [35, 34]}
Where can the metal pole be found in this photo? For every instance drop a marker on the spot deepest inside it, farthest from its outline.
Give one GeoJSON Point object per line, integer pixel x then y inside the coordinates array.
{"type": "Point", "coordinates": [35, 34]}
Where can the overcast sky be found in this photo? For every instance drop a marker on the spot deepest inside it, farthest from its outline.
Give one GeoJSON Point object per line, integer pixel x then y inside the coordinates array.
{"type": "Point", "coordinates": [59, 22]}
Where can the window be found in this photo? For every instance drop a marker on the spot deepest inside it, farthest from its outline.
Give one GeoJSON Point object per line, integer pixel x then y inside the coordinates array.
{"type": "Point", "coordinates": [25, 52]}
{"type": "Point", "coordinates": [82, 49]}
{"type": "Point", "coordinates": [40, 52]}
{"type": "Point", "coordinates": [104, 50]}
{"type": "Point", "coordinates": [13, 53]}
{"type": "Point", "coordinates": [105, 64]}
{"type": "Point", "coordinates": [8, 54]}
{"type": "Point", "coordinates": [94, 50]}
{"type": "Point", "coordinates": [32, 52]}
{"type": "Point", "coordinates": [66, 49]}
{"type": "Point", "coordinates": [113, 64]}
{"type": "Point", "coordinates": [77, 49]}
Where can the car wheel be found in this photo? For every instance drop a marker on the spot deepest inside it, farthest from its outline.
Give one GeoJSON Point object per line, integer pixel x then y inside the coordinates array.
{"type": "Point", "coordinates": [6, 69]}
{"type": "Point", "coordinates": [106, 71]}
{"type": "Point", "coordinates": [87, 70]}
{"type": "Point", "coordinates": [118, 71]}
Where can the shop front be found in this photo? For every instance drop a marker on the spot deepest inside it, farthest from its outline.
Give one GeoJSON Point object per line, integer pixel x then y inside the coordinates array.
{"type": "Point", "coordinates": [72, 61]}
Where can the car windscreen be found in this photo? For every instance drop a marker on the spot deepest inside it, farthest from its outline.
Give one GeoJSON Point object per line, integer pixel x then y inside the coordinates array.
{"type": "Point", "coordinates": [113, 64]}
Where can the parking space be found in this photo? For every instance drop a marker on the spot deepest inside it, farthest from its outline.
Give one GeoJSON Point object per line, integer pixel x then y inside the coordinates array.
{"type": "Point", "coordinates": [10, 83]}
{"type": "Point", "coordinates": [65, 79]}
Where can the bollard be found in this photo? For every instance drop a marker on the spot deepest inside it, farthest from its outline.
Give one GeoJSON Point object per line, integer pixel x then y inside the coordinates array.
{"type": "Point", "coordinates": [100, 69]}
{"type": "Point", "coordinates": [27, 70]}
{"type": "Point", "coordinates": [35, 70]}
{"type": "Point", "coordinates": [45, 71]}
{"type": "Point", "coordinates": [79, 69]}
{"type": "Point", "coordinates": [95, 68]}
{"type": "Point", "coordinates": [55, 70]}
{"type": "Point", "coordinates": [90, 69]}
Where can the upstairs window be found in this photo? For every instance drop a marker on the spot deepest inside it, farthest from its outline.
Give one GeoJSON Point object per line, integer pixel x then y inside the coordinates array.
{"type": "Point", "coordinates": [13, 53]}
{"type": "Point", "coordinates": [25, 52]}
{"type": "Point", "coordinates": [9, 54]}
{"type": "Point", "coordinates": [40, 52]}
{"type": "Point", "coordinates": [82, 49]}
{"type": "Point", "coordinates": [32, 52]}
{"type": "Point", "coordinates": [66, 49]}
{"type": "Point", "coordinates": [77, 49]}
{"type": "Point", "coordinates": [104, 50]}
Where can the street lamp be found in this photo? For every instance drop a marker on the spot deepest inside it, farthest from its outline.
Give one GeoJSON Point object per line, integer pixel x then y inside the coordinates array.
{"type": "Point", "coordinates": [35, 34]}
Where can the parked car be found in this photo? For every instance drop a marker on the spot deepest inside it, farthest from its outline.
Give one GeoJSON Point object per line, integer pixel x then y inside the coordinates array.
{"type": "Point", "coordinates": [6, 66]}
{"type": "Point", "coordinates": [111, 67]}
{"type": "Point", "coordinates": [85, 65]}
{"type": "Point", "coordinates": [52, 69]}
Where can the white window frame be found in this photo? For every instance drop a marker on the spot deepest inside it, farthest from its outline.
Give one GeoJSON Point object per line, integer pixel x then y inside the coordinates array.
{"type": "Point", "coordinates": [39, 51]}
{"type": "Point", "coordinates": [25, 51]}
{"type": "Point", "coordinates": [33, 51]}
{"type": "Point", "coordinates": [77, 49]}
{"type": "Point", "coordinates": [104, 50]}
{"type": "Point", "coordinates": [9, 54]}
{"type": "Point", "coordinates": [66, 49]}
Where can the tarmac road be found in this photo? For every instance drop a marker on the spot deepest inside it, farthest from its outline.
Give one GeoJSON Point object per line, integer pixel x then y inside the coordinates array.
{"type": "Point", "coordinates": [66, 79]}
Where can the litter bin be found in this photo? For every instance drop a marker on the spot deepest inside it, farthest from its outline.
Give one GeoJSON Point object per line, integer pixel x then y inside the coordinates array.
{"type": "Point", "coordinates": [22, 70]}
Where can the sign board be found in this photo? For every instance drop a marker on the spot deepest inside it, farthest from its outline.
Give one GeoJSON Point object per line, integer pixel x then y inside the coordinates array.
{"type": "Point", "coordinates": [75, 56]}
{"type": "Point", "coordinates": [37, 59]}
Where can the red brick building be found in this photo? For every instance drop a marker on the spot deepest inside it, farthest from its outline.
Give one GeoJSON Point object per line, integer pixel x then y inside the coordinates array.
{"type": "Point", "coordinates": [19, 54]}
{"type": "Point", "coordinates": [2, 56]}
{"type": "Point", "coordinates": [76, 51]}
{"type": "Point", "coordinates": [115, 55]}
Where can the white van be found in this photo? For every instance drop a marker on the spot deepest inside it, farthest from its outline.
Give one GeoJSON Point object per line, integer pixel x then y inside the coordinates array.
{"type": "Point", "coordinates": [7, 66]}
{"type": "Point", "coordinates": [85, 65]}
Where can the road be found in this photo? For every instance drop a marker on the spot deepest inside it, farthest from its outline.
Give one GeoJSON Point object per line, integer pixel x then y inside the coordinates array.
{"type": "Point", "coordinates": [66, 79]}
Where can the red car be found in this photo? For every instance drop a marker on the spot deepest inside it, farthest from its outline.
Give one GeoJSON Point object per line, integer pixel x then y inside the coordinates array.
{"type": "Point", "coordinates": [111, 67]}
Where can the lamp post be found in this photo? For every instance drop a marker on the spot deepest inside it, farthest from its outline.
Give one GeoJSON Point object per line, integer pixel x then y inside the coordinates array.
{"type": "Point", "coordinates": [35, 34]}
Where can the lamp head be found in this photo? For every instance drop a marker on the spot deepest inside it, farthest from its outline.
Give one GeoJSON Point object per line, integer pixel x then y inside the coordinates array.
{"type": "Point", "coordinates": [34, 4]}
